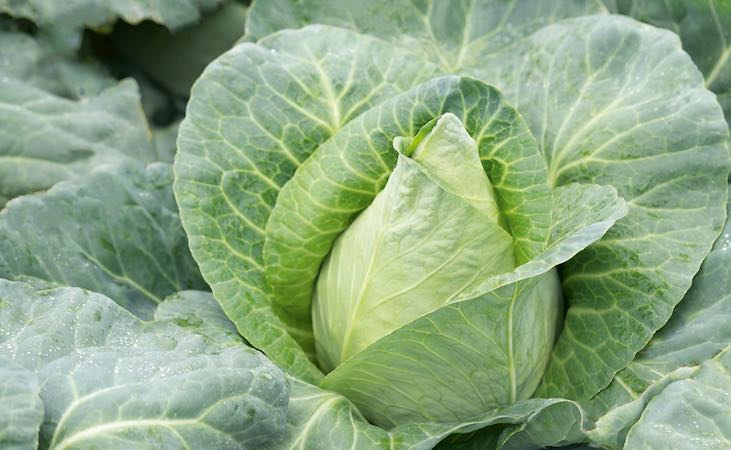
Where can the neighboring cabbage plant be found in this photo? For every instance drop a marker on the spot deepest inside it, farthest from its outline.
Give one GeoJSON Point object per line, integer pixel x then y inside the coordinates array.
{"type": "Point", "coordinates": [438, 216]}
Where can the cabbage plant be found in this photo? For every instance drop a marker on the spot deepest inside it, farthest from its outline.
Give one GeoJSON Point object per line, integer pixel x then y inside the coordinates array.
{"type": "Point", "coordinates": [439, 211]}
{"type": "Point", "coordinates": [394, 224]}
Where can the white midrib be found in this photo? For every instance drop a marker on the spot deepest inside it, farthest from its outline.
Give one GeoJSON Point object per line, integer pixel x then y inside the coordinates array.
{"type": "Point", "coordinates": [511, 355]}
{"type": "Point", "coordinates": [121, 425]}
{"type": "Point", "coordinates": [121, 278]}
{"type": "Point", "coordinates": [79, 401]}
{"type": "Point", "coordinates": [322, 409]}
{"type": "Point", "coordinates": [327, 86]}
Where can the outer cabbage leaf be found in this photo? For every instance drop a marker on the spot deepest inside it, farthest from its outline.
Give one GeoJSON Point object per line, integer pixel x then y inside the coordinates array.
{"type": "Point", "coordinates": [25, 59]}
{"type": "Point", "coordinates": [46, 139]}
{"type": "Point", "coordinates": [64, 21]}
{"type": "Point", "coordinates": [558, 424]}
{"type": "Point", "coordinates": [453, 34]}
{"type": "Point", "coordinates": [696, 335]}
{"type": "Point", "coordinates": [110, 380]}
{"type": "Point", "coordinates": [116, 231]}
{"type": "Point", "coordinates": [22, 411]}
{"type": "Point", "coordinates": [197, 311]}
{"type": "Point", "coordinates": [690, 413]}
{"type": "Point", "coordinates": [45, 159]}
{"type": "Point", "coordinates": [704, 26]}
{"type": "Point", "coordinates": [323, 419]}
